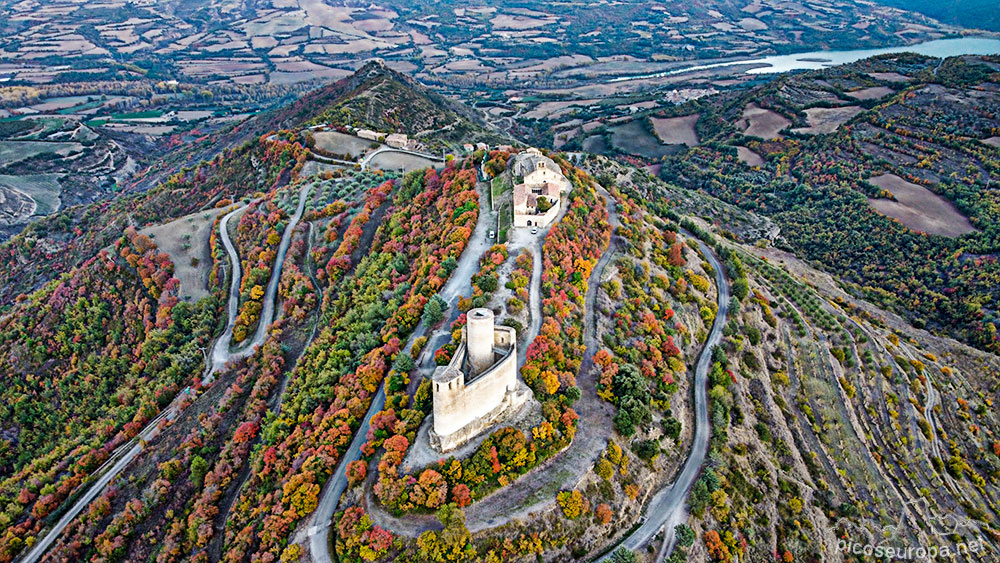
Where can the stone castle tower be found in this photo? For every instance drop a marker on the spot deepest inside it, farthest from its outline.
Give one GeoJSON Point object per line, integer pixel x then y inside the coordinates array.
{"type": "Point", "coordinates": [479, 386]}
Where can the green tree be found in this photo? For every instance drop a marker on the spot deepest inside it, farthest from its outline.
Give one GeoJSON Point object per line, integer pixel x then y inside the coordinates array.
{"type": "Point", "coordinates": [623, 555]}
{"type": "Point", "coordinates": [741, 288]}
{"type": "Point", "coordinates": [199, 468]}
{"type": "Point", "coordinates": [685, 535]}
{"type": "Point", "coordinates": [404, 363]}
{"type": "Point", "coordinates": [449, 264]}
{"type": "Point", "coordinates": [434, 311]}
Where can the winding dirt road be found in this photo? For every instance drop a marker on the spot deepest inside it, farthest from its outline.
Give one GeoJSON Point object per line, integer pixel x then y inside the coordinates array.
{"type": "Point", "coordinates": [220, 356]}
{"type": "Point", "coordinates": [668, 508]}
{"type": "Point", "coordinates": [531, 491]}
{"type": "Point", "coordinates": [458, 284]}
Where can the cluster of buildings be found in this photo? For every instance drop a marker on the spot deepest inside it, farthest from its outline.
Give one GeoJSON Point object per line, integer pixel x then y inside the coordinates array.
{"type": "Point", "coordinates": [394, 140]}
{"type": "Point", "coordinates": [469, 147]}
{"type": "Point", "coordinates": [479, 387]}
{"type": "Point", "coordinates": [539, 189]}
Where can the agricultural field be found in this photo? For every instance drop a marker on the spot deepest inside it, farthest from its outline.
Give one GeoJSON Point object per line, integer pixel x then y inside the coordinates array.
{"type": "Point", "coordinates": [872, 93]}
{"type": "Point", "coordinates": [634, 138]}
{"type": "Point", "coordinates": [56, 162]}
{"type": "Point", "coordinates": [863, 200]}
{"type": "Point", "coordinates": [763, 123]}
{"type": "Point", "coordinates": [186, 241]}
{"type": "Point", "coordinates": [401, 162]}
{"type": "Point", "coordinates": [12, 152]}
{"type": "Point", "coordinates": [543, 63]}
{"type": "Point", "coordinates": [335, 142]}
{"type": "Point", "coordinates": [826, 120]}
{"type": "Point", "coordinates": [919, 208]}
{"type": "Point", "coordinates": [749, 157]}
{"type": "Point", "coordinates": [43, 189]}
{"type": "Point", "coordinates": [15, 206]}
{"type": "Point", "coordinates": [676, 130]}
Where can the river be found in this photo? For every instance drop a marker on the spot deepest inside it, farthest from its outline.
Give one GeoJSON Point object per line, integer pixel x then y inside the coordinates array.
{"type": "Point", "coordinates": [814, 60]}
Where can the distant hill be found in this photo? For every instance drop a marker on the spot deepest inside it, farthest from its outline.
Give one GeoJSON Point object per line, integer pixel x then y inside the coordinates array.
{"type": "Point", "coordinates": [975, 14]}
{"type": "Point", "coordinates": [375, 97]}
{"type": "Point", "coordinates": [380, 98]}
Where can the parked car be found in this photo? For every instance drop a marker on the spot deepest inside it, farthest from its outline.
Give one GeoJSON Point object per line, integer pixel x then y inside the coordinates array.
{"type": "Point", "coordinates": [534, 230]}
{"type": "Point", "coordinates": [493, 235]}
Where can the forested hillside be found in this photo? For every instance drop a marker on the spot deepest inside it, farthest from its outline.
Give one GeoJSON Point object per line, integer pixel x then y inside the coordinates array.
{"type": "Point", "coordinates": [881, 172]}
{"type": "Point", "coordinates": [747, 358]}
{"type": "Point", "coordinates": [975, 14]}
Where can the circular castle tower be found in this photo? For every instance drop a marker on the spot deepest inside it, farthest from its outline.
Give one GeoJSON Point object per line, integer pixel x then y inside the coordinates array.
{"type": "Point", "coordinates": [479, 324]}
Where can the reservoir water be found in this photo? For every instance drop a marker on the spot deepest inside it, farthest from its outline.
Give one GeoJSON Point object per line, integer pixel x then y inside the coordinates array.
{"type": "Point", "coordinates": [821, 59]}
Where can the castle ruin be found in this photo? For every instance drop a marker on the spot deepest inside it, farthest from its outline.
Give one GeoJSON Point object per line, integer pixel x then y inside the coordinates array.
{"type": "Point", "coordinates": [479, 386]}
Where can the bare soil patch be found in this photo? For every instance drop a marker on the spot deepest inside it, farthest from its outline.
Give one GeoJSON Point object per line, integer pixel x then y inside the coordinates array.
{"type": "Point", "coordinates": [16, 151]}
{"type": "Point", "coordinates": [186, 241]}
{"type": "Point", "coordinates": [749, 157]}
{"type": "Point", "coordinates": [890, 76]}
{"type": "Point", "coordinates": [313, 167]}
{"type": "Point", "coordinates": [400, 161]}
{"type": "Point", "coordinates": [676, 130]}
{"type": "Point", "coordinates": [505, 21]}
{"type": "Point", "coordinates": [919, 208]}
{"type": "Point", "coordinates": [595, 144]}
{"type": "Point", "coordinates": [763, 123]}
{"type": "Point", "coordinates": [547, 109]}
{"type": "Point", "coordinates": [827, 120]}
{"type": "Point", "coordinates": [633, 138]}
{"type": "Point", "coordinates": [993, 141]}
{"type": "Point", "coordinates": [336, 142]}
{"type": "Point", "coordinates": [752, 24]}
{"type": "Point", "coordinates": [15, 206]}
{"type": "Point", "coordinates": [43, 189]}
{"type": "Point", "coordinates": [873, 93]}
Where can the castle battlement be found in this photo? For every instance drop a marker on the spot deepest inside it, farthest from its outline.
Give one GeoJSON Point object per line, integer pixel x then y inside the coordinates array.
{"type": "Point", "coordinates": [479, 385]}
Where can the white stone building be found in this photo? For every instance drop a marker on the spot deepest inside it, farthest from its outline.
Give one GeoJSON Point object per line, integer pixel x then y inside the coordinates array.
{"type": "Point", "coordinates": [479, 386]}
{"type": "Point", "coordinates": [368, 134]}
{"type": "Point", "coordinates": [396, 140]}
{"type": "Point", "coordinates": [528, 198]}
{"type": "Point", "coordinates": [540, 178]}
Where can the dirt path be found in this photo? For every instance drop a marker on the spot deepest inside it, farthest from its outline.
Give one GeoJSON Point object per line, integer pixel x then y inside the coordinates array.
{"type": "Point", "coordinates": [459, 283]}
{"type": "Point", "coordinates": [220, 356]}
{"type": "Point", "coordinates": [216, 544]}
{"type": "Point", "coordinates": [668, 508]}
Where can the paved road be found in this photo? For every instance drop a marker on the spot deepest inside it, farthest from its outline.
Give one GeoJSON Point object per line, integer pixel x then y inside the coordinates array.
{"type": "Point", "coordinates": [130, 449]}
{"type": "Point", "coordinates": [518, 238]}
{"type": "Point", "coordinates": [459, 284]}
{"type": "Point", "coordinates": [220, 356]}
{"type": "Point", "coordinates": [668, 508]}
{"type": "Point", "coordinates": [267, 313]}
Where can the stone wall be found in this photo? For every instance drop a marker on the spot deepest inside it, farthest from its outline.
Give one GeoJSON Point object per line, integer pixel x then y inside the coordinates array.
{"type": "Point", "coordinates": [466, 405]}
{"type": "Point", "coordinates": [538, 220]}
